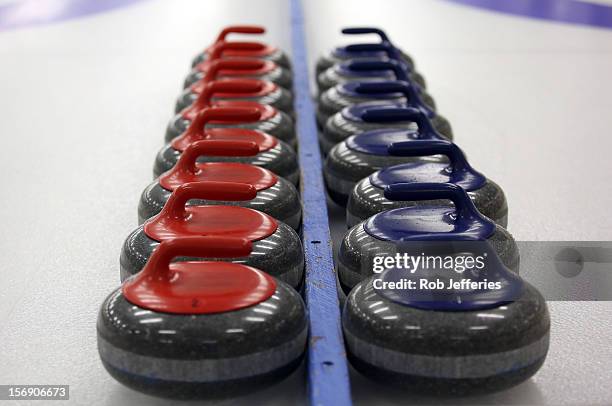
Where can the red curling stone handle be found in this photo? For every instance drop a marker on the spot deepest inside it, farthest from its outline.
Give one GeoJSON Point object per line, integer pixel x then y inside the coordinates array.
{"type": "Point", "coordinates": [226, 86]}
{"type": "Point", "coordinates": [197, 127]}
{"type": "Point", "coordinates": [205, 190]}
{"type": "Point", "coordinates": [188, 159]}
{"type": "Point", "coordinates": [222, 46]}
{"type": "Point", "coordinates": [198, 287]}
{"type": "Point", "coordinates": [199, 246]}
{"type": "Point", "coordinates": [240, 29]}
{"type": "Point", "coordinates": [245, 64]}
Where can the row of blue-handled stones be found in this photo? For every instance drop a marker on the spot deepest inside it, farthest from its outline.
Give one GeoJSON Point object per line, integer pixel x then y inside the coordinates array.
{"type": "Point", "coordinates": [209, 304]}
{"type": "Point", "coordinates": [392, 163]}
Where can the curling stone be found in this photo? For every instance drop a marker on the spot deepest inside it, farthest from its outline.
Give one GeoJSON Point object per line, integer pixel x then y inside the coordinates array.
{"type": "Point", "coordinates": [271, 121]}
{"type": "Point", "coordinates": [363, 154]}
{"type": "Point", "coordinates": [366, 116]}
{"type": "Point", "coordinates": [271, 153]}
{"type": "Point", "coordinates": [368, 196]}
{"type": "Point", "coordinates": [268, 71]}
{"type": "Point", "coordinates": [260, 91]}
{"type": "Point", "coordinates": [273, 194]}
{"type": "Point", "coordinates": [365, 70]}
{"type": "Point", "coordinates": [258, 50]}
{"type": "Point", "coordinates": [201, 329]}
{"type": "Point", "coordinates": [277, 248]}
{"type": "Point", "coordinates": [343, 53]}
{"type": "Point", "coordinates": [448, 341]}
{"type": "Point", "coordinates": [381, 233]}
{"type": "Point", "coordinates": [348, 94]}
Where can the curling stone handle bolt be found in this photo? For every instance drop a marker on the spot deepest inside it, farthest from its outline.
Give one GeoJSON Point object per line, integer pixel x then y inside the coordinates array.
{"type": "Point", "coordinates": [240, 29]}
{"type": "Point", "coordinates": [366, 30]}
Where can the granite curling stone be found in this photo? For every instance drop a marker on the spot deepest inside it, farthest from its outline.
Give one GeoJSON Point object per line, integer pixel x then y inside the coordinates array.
{"type": "Point", "coordinates": [272, 194]}
{"type": "Point", "coordinates": [271, 120]}
{"type": "Point", "coordinates": [368, 196]}
{"type": "Point", "coordinates": [257, 50]}
{"type": "Point", "coordinates": [271, 153]}
{"type": "Point", "coordinates": [368, 116]}
{"type": "Point", "coordinates": [277, 248]}
{"type": "Point", "coordinates": [255, 90]}
{"type": "Point", "coordinates": [270, 71]}
{"type": "Point", "coordinates": [363, 154]}
{"type": "Point", "coordinates": [343, 53]}
{"type": "Point", "coordinates": [207, 329]}
{"type": "Point", "coordinates": [451, 341]}
{"type": "Point", "coordinates": [381, 233]}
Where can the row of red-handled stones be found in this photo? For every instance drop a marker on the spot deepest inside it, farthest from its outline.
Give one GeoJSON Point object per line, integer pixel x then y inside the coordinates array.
{"type": "Point", "coordinates": [209, 304]}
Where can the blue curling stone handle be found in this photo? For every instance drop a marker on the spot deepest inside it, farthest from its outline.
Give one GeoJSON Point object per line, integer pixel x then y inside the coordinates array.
{"type": "Point", "coordinates": [376, 142]}
{"type": "Point", "coordinates": [430, 223]}
{"type": "Point", "coordinates": [459, 172]}
{"type": "Point", "coordinates": [486, 285]}
{"type": "Point", "coordinates": [388, 89]}
{"type": "Point", "coordinates": [351, 89]}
